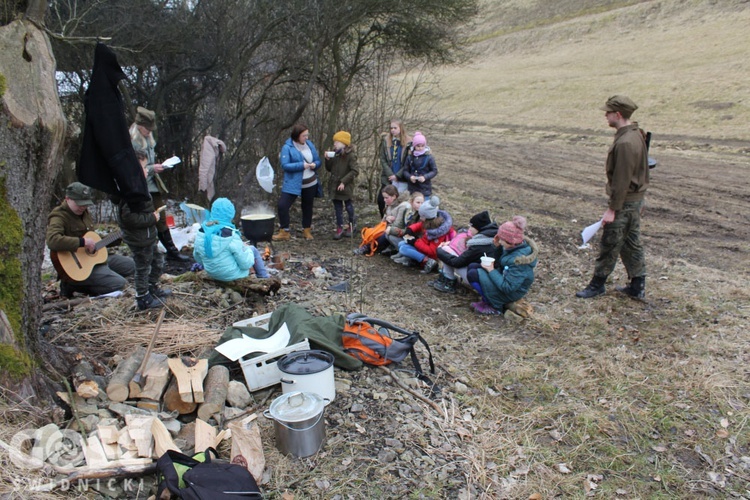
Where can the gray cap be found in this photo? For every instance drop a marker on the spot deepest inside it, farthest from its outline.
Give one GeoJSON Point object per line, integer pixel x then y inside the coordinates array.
{"type": "Point", "coordinates": [146, 118]}
{"type": "Point", "coordinates": [80, 193]}
{"type": "Point", "coordinates": [620, 103]}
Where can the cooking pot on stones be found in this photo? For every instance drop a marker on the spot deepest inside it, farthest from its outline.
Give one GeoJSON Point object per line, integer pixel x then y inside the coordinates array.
{"type": "Point", "coordinates": [258, 227]}
{"type": "Point", "coordinates": [308, 371]}
{"type": "Point", "coordinates": [298, 422]}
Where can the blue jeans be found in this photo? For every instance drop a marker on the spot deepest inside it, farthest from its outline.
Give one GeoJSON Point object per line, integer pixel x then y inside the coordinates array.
{"type": "Point", "coordinates": [408, 250]}
{"type": "Point", "coordinates": [259, 265]}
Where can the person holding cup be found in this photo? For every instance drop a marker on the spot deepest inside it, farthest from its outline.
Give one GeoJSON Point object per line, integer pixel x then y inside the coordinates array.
{"type": "Point", "coordinates": [507, 274]}
{"type": "Point", "coordinates": [300, 161]}
{"type": "Point", "coordinates": [342, 165]}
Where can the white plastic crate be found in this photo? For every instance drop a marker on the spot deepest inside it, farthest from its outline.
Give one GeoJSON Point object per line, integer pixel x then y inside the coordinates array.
{"type": "Point", "coordinates": [261, 371]}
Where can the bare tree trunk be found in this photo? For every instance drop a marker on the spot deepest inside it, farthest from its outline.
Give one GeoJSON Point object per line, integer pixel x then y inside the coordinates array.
{"type": "Point", "coordinates": [32, 134]}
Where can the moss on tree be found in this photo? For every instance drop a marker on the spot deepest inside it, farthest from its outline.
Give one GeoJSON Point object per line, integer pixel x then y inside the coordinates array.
{"type": "Point", "coordinates": [11, 285]}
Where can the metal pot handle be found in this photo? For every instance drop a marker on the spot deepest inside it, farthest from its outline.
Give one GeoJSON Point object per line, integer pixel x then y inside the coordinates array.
{"type": "Point", "coordinates": [267, 414]}
{"type": "Point", "coordinates": [287, 381]}
{"type": "Point", "coordinates": [320, 415]}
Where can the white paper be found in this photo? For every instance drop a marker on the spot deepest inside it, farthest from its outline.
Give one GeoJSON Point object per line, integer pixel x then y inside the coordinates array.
{"type": "Point", "coordinates": [236, 348]}
{"type": "Point", "coordinates": [170, 162]}
{"type": "Point", "coordinates": [590, 231]}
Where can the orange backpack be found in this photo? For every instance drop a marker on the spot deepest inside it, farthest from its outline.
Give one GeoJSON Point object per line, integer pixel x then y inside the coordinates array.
{"type": "Point", "coordinates": [370, 236]}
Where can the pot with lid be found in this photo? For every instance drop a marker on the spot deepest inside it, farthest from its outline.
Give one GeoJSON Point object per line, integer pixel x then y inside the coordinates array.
{"type": "Point", "coordinates": [308, 371]}
{"type": "Point", "coordinates": [258, 227]}
{"type": "Point", "coordinates": [298, 422]}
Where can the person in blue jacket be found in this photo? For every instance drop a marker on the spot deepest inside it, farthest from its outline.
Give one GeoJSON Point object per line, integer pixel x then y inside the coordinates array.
{"type": "Point", "coordinates": [220, 249]}
{"type": "Point", "coordinates": [509, 278]}
{"type": "Point", "coordinates": [420, 167]}
{"type": "Point", "coordinates": [300, 162]}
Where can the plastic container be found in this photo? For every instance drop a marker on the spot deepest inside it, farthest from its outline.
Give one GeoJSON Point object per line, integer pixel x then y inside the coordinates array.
{"type": "Point", "coordinates": [262, 371]}
{"type": "Point", "coordinates": [308, 371]}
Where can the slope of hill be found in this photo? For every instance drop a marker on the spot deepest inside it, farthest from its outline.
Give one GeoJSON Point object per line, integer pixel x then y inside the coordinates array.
{"type": "Point", "coordinates": [550, 66]}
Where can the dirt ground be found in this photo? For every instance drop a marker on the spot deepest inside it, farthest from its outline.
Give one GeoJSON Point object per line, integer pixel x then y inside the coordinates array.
{"type": "Point", "coordinates": [609, 397]}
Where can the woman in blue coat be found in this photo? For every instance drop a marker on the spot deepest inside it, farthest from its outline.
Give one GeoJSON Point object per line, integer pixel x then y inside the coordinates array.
{"type": "Point", "coordinates": [220, 249]}
{"type": "Point", "coordinates": [300, 161]}
{"type": "Point", "coordinates": [509, 278]}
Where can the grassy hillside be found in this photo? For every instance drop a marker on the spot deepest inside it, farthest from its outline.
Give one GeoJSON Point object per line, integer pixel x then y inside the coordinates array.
{"type": "Point", "coordinates": [550, 65]}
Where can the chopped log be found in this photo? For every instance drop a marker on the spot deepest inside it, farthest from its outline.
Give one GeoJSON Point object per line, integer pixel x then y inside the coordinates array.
{"type": "Point", "coordinates": [65, 304]}
{"type": "Point", "coordinates": [94, 452]}
{"type": "Point", "coordinates": [205, 435]}
{"type": "Point", "coordinates": [139, 427]}
{"type": "Point", "coordinates": [116, 469]}
{"type": "Point", "coordinates": [156, 375]}
{"type": "Point", "coordinates": [243, 285]}
{"type": "Point", "coordinates": [86, 383]}
{"type": "Point", "coordinates": [108, 433]}
{"type": "Point", "coordinates": [189, 373]}
{"type": "Point", "coordinates": [149, 404]}
{"type": "Point", "coordinates": [162, 439]}
{"type": "Point", "coordinates": [173, 401]}
{"type": "Point", "coordinates": [217, 384]}
{"type": "Point", "coordinates": [119, 385]}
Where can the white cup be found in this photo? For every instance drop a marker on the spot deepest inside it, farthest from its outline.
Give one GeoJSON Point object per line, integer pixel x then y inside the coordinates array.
{"type": "Point", "coordinates": [330, 154]}
{"type": "Point", "coordinates": [487, 261]}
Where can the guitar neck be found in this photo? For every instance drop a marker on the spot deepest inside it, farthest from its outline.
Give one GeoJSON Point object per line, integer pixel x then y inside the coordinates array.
{"type": "Point", "coordinates": [111, 237]}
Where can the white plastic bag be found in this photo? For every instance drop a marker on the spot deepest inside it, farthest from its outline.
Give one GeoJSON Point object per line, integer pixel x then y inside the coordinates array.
{"type": "Point", "coordinates": [264, 174]}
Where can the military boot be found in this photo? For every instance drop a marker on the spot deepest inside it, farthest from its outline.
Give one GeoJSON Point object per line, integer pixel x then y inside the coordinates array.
{"type": "Point", "coordinates": [172, 253]}
{"type": "Point", "coordinates": [636, 288]}
{"type": "Point", "coordinates": [596, 287]}
{"type": "Point", "coordinates": [148, 301]}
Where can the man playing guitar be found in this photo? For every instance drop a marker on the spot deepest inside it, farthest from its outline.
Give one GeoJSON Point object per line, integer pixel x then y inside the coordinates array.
{"type": "Point", "coordinates": [77, 252]}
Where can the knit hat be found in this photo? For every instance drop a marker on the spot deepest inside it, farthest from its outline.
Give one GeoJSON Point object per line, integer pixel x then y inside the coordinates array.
{"type": "Point", "coordinates": [343, 137]}
{"type": "Point", "coordinates": [418, 139]}
{"type": "Point", "coordinates": [480, 220]}
{"type": "Point", "coordinates": [512, 231]}
{"type": "Point", "coordinates": [221, 215]}
{"type": "Point", "coordinates": [623, 104]}
{"type": "Point", "coordinates": [145, 117]}
{"type": "Point", "coordinates": [80, 193]}
{"type": "Point", "coordinates": [429, 208]}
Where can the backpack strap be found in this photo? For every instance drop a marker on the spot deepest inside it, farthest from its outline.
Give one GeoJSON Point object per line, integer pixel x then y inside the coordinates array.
{"type": "Point", "coordinates": [165, 465]}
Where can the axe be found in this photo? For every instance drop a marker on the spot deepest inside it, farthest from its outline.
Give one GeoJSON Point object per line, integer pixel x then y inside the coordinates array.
{"type": "Point", "coordinates": [138, 378]}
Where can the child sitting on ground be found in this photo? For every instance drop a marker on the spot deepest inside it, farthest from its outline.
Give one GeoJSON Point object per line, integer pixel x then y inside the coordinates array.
{"type": "Point", "coordinates": [219, 247]}
{"type": "Point", "coordinates": [140, 234]}
{"type": "Point", "coordinates": [435, 226]}
{"type": "Point", "coordinates": [510, 276]}
{"type": "Point", "coordinates": [394, 218]}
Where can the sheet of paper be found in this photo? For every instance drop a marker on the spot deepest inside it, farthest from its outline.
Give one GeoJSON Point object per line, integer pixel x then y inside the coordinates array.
{"type": "Point", "coordinates": [236, 348]}
{"type": "Point", "coordinates": [170, 162]}
{"type": "Point", "coordinates": [590, 231]}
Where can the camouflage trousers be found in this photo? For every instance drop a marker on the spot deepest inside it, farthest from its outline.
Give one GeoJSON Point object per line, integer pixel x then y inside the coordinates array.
{"type": "Point", "coordinates": [622, 238]}
{"type": "Point", "coordinates": [149, 265]}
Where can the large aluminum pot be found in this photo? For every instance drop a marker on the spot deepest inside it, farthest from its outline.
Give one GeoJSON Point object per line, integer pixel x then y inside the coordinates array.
{"type": "Point", "coordinates": [298, 422]}
{"type": "Point", "coordinates": [308, 371]}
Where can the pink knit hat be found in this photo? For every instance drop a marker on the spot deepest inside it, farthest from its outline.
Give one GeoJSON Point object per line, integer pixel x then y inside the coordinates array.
{"type": "Point", "coordinates": [512, 231]}
{"type": "Point", "coordinates": [419, 139]}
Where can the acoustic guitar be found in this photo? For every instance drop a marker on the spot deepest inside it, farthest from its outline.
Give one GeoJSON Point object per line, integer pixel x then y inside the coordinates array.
{"type": "Point", "coordinates": [77, 266]}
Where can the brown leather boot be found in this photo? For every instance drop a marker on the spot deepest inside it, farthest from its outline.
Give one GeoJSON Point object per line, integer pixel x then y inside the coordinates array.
{"type": "Point", "coordinates": [307, 233]}
{"type": "Point", "coordinates": [281, 235]}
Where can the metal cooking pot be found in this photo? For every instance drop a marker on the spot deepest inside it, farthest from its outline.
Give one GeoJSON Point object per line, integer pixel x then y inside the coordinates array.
{"type": "Point", "coordinates": [298, 422]}
{"type": "Point", "coordinates": [308, 371]}
{"type": "Point", "coordinates": [258, 227]}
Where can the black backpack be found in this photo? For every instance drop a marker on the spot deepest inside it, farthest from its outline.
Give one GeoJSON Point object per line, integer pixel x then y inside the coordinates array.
{"type": "Point", "coordinates": [206, 480]}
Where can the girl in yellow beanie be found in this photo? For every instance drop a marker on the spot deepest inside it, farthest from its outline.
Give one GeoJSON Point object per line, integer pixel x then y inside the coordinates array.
{"type": "Point", "coordinates": [341, 162]}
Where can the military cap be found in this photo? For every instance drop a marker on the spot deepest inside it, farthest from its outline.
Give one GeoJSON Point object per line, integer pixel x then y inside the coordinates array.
{"type": "Point", "coordinates": [620, 103]}
{"type": "Point", "coordinates": [146, 118]}
{"type": "Point", "coordinates": [80, 193]}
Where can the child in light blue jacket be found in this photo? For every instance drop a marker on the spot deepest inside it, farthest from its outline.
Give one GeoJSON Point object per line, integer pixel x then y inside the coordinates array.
{"type": "Point", "coordinates": [221, 251]}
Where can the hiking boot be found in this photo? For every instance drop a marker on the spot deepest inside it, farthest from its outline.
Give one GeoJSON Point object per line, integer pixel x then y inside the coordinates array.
{"type": "Point", "coordinates": [483, 307]}
{"type": "Point", "coordinates": [172, 252]}
{"type": "Point", "coordinates": [596, 287]}
{"type": "Point", "coordinates": [440, 279]}
{"type": "Point", "coordinates": [159, 293]}
{"type": "Point", "coordinates": [282, 235]}
{"type": "Point", "coordinates": [429, 266]}
{"type": "Point", "coordinates": [148, 301]}
{"type": "Point", "coordinates": [396, 256]}
{"type": "Point", "coordinates": [66, 290]}
{"type": "Point", "coordinates": [307, 233]}
{"type": "Point", "coordinates": [447, 286]}
{"type": "Point", "coordinates": [339, 233]}
{"type": "Point", "coordinates": [364, 249]}
{"type": "Point", "coordinates": [636, 289]}
{"type": "Point", "coordinates": [349, 230]}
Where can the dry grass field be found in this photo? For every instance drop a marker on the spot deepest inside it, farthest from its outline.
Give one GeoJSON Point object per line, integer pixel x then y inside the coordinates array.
{"type": "Point", "coordinates": [605, 398]}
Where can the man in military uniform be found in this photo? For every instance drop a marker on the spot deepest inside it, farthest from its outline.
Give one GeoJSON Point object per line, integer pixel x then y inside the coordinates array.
{"type": "Point", "coordinates": [67, 224]}
{"type": "Point", "coordinates": [627, 182]}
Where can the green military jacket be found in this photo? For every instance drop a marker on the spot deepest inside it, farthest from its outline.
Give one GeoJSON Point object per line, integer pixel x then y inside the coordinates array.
{"type": "Point", "coordinates": [627, 167]}
{"type": "Point", "coordinates": [65, 229]}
